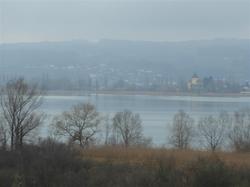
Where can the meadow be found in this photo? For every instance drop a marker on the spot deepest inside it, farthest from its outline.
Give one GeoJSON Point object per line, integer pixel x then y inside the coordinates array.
{"type": "Point", "coordinates": [53, 164]}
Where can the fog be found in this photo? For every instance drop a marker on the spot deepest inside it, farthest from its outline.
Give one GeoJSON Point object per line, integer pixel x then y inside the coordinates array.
{"type": "Point", "coordinates": [54, 20]}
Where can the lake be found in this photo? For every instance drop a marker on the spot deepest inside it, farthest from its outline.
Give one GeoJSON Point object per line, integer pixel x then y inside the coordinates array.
{"type": "Point", "coordinates": [156, 111]}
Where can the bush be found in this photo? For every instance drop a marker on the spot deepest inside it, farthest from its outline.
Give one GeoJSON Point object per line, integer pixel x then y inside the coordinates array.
{"type": "Point", "coordinates": [210, 172]}
{"type": "Point", "coordinates": [168, 174]}
{"type": "Point", "coordinates": [49, 164]}
{"type": "Point", "coordinates": [52, 164]}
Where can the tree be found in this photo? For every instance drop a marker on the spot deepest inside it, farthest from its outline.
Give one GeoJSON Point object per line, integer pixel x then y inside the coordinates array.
{"type": "Point", "coordinates": [127, 129]}
{"type": "Point", "coordinates": [80, 124]}
{"type": "Point", "coordinates": [107, 131]}
{"type": "Point", "coordinates": [182, 130]}
{"type": "Point", "coordinates": [209, 84]}
{"type": "Point", "coordinates": [240, 132]}
{"type": "Point", "coordinates": [19, 102]}
{"type": "Point", "coordinates": [213, 130]}
{"type": "Point", "coordinates": [3, 133]}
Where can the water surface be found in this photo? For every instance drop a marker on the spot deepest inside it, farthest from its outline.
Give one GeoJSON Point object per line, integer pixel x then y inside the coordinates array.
{"type": "Point", "coordinates": [156, 111]}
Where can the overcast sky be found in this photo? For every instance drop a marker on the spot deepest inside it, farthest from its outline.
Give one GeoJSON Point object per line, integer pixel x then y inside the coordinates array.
{"type": "Point", "coordinates": [161, 20]}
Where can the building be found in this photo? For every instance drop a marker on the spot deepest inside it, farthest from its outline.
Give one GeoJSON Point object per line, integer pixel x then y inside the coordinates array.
{"type": "Point", "coordinates": [195, 84]}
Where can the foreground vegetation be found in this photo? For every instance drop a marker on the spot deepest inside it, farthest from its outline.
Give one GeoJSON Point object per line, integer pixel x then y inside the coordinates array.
{"type": "Point", "coordinates": [52, 164]}
{"type": "Point", "coordinates": [76, 154]}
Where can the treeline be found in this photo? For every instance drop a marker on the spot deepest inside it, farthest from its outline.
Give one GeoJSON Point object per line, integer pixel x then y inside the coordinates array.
{"type": "Point", "coordinates": [62, 158]}
{"type": "Point", "coordinates": [222, 132]}
{"type": "Point", "coordinates": [159, 84]}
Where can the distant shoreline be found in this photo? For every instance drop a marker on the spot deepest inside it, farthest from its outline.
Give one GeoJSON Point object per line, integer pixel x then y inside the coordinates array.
{"type": "Point", "coordinates": [145, 93]}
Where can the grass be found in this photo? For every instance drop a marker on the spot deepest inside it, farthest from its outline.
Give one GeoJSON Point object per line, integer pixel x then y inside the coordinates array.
{"type": "Point", "coordinates": [53, 164]}
{"type": "Point", "coordinates": [151, 155]}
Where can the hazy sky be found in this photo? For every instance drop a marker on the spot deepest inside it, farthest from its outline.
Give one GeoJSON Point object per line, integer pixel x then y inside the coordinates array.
{"type": "Point", "coordinates": [163, 20]}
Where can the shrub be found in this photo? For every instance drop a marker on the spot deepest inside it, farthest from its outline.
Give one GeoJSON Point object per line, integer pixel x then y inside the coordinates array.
{"type": "Point", "coordinates": [210, 172]}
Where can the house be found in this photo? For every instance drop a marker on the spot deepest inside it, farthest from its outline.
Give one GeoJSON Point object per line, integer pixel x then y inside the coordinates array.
{"type": "Point", "coordinates": [195, 83]}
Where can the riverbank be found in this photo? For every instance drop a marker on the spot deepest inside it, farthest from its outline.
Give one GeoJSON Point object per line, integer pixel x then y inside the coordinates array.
{"type": "Point", "coordinates": [149, 93]}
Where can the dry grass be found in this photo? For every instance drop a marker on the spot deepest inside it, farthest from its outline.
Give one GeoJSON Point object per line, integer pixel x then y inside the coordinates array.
{"type": "Point", "coordinates": [151, 155]}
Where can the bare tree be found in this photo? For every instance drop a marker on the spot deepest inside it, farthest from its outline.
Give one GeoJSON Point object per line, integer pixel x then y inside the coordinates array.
{"type": "Point", "coordinates": [80, 124]}
{"type": "Point", "coordinates": [240, 131]}
{"type": "Point", "coordinates": [182, 130]}
{"type": "Point", "coordinates": [19, 102]}
{"type": "Point", "coordinates": [127, 129]}
{"type": "Point", "coordinates": [3, 133]}
{"type": "Point", "coordinates": [212, 131]}
{"type": "Point", "coordinates": [107, 131]}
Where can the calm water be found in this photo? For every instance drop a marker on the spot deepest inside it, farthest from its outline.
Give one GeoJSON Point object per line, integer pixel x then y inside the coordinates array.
{"type": "Point", "coordinates": [156, 111]}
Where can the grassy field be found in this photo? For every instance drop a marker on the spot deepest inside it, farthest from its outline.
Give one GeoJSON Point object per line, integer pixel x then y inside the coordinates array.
{"type": "Point", "coordinates": [151, 155]}
{"type": "Point", "coordinates": [52, 164]}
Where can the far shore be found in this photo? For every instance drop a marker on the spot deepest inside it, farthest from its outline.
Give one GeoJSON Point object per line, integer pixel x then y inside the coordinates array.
{"type": "Point", "coordinates": [145, 93]}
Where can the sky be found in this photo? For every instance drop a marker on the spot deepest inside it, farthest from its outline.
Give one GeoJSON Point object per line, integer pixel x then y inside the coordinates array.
{"type": "Point", "coordinates": [149, 20]}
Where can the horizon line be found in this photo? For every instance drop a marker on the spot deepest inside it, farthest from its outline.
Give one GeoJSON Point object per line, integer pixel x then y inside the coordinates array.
{"type": "Point", "coordinates": [110, 39]}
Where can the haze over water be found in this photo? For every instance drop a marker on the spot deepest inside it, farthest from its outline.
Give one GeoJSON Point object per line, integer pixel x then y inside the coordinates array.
{"type": "Point", "coordinates": [156, 111]}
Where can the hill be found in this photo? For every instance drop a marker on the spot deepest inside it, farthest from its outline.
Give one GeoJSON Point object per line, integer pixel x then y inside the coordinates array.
{"type": "Point", "coordinates": [221, 58]}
